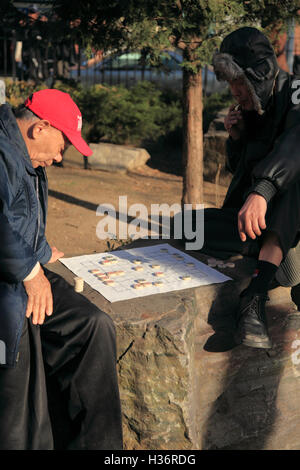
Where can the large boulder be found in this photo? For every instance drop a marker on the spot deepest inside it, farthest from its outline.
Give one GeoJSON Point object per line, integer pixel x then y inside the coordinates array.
{"type": "Point", "coordinates": [181, 385]}
{"type": "Point", "coordinates": [118, 158]}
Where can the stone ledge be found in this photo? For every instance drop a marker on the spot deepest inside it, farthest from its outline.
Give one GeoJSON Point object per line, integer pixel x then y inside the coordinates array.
{"type": "Point", "coordinates": [178, 394]}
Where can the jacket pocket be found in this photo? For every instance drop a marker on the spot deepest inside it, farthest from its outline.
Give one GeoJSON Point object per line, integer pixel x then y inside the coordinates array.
{"type": "Point", "coordinates": [24, 212]}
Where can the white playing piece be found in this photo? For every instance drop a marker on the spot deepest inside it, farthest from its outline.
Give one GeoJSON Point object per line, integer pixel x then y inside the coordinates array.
{"type": "Point", "coordinates": [174, 264]}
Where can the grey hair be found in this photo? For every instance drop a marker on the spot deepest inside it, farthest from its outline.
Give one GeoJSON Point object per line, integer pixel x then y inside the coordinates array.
{"type": "Point", "coordinates": [226, 69]}
{"type": "Point", "coordinates": [24, 114]}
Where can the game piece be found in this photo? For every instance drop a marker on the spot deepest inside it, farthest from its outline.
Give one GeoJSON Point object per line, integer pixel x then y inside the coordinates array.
{"type": "Point", "coordinates": [158, 283]}
{"type": "Point", "coordinates": [141, 280]}
{"type": "Point", "coordinates": [109, 261]}
{"type": "Point", "coordinates": [103, 278]}
{"type": "Point", "coordinates": [95, 271]}
{"type": "Point", "coordinates": [138, 268]}
{"type": "Point", "coordinates": [158, 274]}
{"type": "Point", "coordinates": [155, 266]}
{"type": "Point", "coordinates": [235, 258]}
{"type": "Point", "coordinates": [109, 282]}
{"type": "Point", "coordinates": [78, 284]}
{"type": "Point", "coordinates": [112, 273]}
{"type": "Point", "coordinates": [137, 261]}
{"type": "Point", "coordinates": [186, 278]}
{"type": "Point", "coordinates": [164, 250]}
{"type": "Point", "coordinates": [212, 262]}
{"type": "Point", "coordinates": [190, 265]}
{"type": "Point", "coordinates": [138, 286]}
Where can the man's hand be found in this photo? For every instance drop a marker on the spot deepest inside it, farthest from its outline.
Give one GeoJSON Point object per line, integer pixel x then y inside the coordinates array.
{"type": "Point", "coordinates": [40, 300]}
{"type": "Point", "coordinates": [251, 217]}
{"type": "Point", "coordinates": [234, 123]}
{"type": "Point", "coordinates": [56, 254]}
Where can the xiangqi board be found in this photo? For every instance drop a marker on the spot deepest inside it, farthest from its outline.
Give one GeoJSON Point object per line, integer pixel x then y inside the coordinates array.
{"type": "Point", "coordinates": [128, 274]}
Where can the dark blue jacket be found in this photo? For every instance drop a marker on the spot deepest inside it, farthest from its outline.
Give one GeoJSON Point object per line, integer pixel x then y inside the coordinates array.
{"type": "Point", "coordinates": [23, 208]}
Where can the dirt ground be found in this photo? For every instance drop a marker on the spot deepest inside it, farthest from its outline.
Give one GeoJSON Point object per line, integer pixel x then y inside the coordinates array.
{"type": "Point", "coordinates": [75, 193]}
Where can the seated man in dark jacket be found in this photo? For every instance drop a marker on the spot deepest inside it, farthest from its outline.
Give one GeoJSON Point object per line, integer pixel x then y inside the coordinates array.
{"type": "Point", "coordinates": [46, 328]}
{"type": "Point", "coordinates": [260, 216]}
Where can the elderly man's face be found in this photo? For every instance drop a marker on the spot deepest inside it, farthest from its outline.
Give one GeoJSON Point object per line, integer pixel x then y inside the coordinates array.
{"type": "Point", "coordinates": [240, 92]}
{"type": "Point", "coordinates": [49, 147]}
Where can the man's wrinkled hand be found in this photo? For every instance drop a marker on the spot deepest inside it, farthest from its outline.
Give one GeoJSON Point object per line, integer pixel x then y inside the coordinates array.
{"type": "Point", "coordinates": [251, 217]}
{"type": "Point", "coordinates": [56, 254]}
{"type": "Point", "coordinates": [40, 300]}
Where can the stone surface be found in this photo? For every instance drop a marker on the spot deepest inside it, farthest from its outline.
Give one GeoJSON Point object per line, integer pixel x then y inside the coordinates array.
{"type": "Point", "coordinates": [119, 158]}
{"type": "Point", "coordinates": [182, 387]}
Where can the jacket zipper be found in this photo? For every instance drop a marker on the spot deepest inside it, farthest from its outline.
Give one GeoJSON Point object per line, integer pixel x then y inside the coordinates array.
{"type": "Point", "coordinates": [39, 222]}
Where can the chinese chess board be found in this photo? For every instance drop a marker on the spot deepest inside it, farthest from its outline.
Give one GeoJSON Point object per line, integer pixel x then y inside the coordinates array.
{"type": "Point", "coordinates": [137, 272]}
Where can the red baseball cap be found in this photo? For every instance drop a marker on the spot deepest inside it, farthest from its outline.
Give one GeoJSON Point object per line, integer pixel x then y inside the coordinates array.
{"type": "Point", "coordinates": [60, 110]}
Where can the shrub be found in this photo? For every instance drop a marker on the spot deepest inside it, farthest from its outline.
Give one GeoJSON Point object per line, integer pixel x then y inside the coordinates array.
{"type": "Point", "coordinates": [140, 115]}
{"type": "Point", "coordinates": [127, 116]}
{"type": "Point", "coordinates": [17, 92]}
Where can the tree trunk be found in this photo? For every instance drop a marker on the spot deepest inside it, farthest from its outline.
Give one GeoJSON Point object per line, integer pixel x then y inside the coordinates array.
{"type": "Point", "coordinates": [192, 139]}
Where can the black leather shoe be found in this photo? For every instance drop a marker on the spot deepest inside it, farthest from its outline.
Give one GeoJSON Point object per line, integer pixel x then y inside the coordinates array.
{"type": "Point", "coordinates": [252, 327]}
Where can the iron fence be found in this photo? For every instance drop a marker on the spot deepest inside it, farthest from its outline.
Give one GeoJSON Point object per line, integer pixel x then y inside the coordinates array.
{"type": "Point", "coordinates": [39, 60]}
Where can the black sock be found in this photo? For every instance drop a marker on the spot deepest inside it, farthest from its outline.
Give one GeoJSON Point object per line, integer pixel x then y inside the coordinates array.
{"type": "Point", "coordinates": [262, 277]}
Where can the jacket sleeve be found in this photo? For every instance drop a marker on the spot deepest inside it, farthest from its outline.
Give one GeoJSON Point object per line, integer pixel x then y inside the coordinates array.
{"type": "Point", "coordinates": [233, 153]}
{"type": "Point", "coordinates": [17, 258]}
{"type": "Point", "coordinates": [44, 251]}
{"type": "Point", "coordinates": [281, 167]}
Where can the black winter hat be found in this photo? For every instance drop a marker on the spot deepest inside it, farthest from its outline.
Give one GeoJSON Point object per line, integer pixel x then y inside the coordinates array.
{"type": "Point", "coordinates": [247, 53]}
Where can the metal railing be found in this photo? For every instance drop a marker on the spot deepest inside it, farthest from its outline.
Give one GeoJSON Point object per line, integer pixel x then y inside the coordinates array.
{"type": "Point", "coordinates": [40, 61]}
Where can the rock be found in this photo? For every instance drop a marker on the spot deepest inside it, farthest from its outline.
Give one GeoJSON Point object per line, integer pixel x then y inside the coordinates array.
{"type": "Point", "coordinates": [118, 158]}
{"type": "Point", "coordinates": [215, 151]}
{"type": "Point", "coordinates": [184, 386]}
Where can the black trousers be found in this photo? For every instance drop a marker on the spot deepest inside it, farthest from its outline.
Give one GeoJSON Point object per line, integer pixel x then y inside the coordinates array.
{"type": "Point", "coordinates": [73, 355]}
{"type": "Point", "coordinates": [221, 236]}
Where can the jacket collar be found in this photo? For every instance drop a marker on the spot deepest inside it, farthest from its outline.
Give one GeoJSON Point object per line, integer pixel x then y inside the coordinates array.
{"type": "Point", "coordinates": [10, 128]}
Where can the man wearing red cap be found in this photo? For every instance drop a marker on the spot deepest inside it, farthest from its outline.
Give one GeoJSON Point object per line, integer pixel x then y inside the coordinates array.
{"type": "Point", "coordinates": [48, 333]}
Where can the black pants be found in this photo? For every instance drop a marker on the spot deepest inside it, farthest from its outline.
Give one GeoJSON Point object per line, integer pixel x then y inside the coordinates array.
{"type": "Point", "coordinates": [74, 353]}
{"type": "Point", "coordinates": [221, 236]}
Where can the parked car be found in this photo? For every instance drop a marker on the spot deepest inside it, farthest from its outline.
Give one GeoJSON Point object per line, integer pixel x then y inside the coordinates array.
{"type": "Point", "coordinates": [127, 69]}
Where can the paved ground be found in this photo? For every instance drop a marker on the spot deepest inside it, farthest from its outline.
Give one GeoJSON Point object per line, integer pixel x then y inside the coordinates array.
{"type": "Point", "coordinates": [75, 193]}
